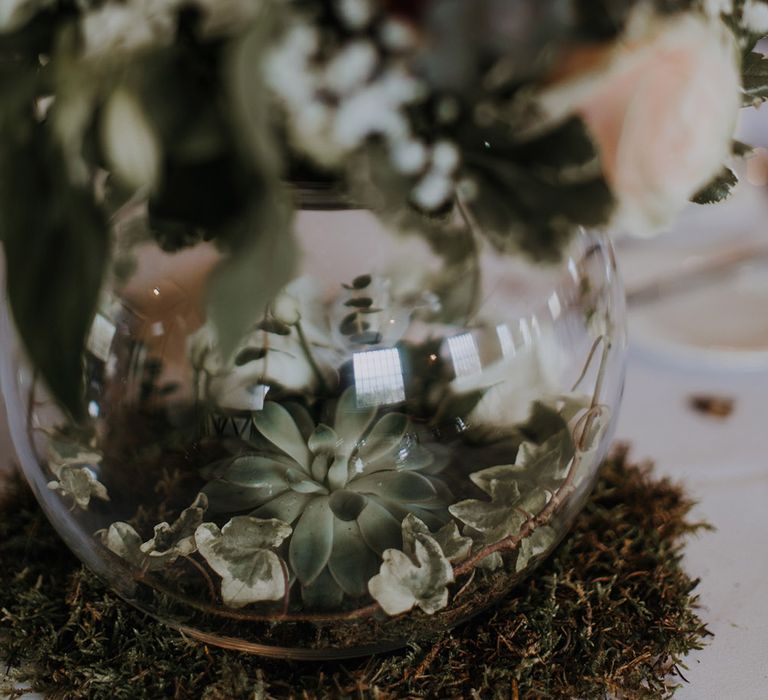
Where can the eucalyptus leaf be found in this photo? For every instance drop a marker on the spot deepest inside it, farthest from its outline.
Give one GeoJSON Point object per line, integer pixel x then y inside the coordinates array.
{"type": "Point", "coordinates": [418, 578]}
{"type": "Point", "coordinates": [241, 553]}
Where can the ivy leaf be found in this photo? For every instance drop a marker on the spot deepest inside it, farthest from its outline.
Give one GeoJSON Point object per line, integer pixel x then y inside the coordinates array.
{"type": "Point", "coordinates": [74, 468]}
{"type": "Point", "coordinates": [538, 542]}
{"type": "Point", "coordinates": [168, 544]}
{"type": "Point", "coordinates": [417, 576]}
{"type": "Point", "coordinates": [517, 490]}
{"type": "Point", "coordinates": [80, 484]}
{"type": "Point", "coordinates": [45, 243]}
{"type": "Point", "coordinates": [545, 465]}
{"type": "Point", "coordinates": [508, 508]}
{"type": "Point", "coordinates": [589, 444]}
{"type": "Point", "coordinates": [455, 546]}
{"type": "Point", "coordinates": [241, 553]}
{"type": "Point", "coordinates": [718, 189]}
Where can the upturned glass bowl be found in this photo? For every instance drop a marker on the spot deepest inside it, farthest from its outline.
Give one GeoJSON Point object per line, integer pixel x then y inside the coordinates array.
{"type": "Point", "coordinates": [408, 428]}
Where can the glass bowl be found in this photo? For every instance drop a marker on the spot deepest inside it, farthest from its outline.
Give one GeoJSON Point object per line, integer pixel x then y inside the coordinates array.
{"type": "Point", "coordinates": [406, 431]}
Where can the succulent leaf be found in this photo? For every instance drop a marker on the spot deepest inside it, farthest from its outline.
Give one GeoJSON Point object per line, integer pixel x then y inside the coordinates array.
{"type": "Point", "coordinates": [352, 562]}
{"type": "Point", "coordinates": [312, 540]}
{"type": "Point", "coordinates": [277, 425]}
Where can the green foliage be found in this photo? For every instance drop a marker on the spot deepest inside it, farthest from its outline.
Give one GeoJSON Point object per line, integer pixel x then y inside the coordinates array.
{"type": "Point", "coordinates": [56, 249]}
{"type": "Point", "coordinates": [417, 576]}
{"type": "Point", "coordinates": [241, 553]}
{"type": "Point", "coordinates": [168, 543]}
{"type": "Point", "coordinates": [582, 626]}
{"type": "Point", "coordinates": [718, 190]}
{"type": "Point", "coordinates": [529, 195]}
{"type": "Point", "coordinates": [754, 71]}
{"type": "Point", "coordinates": [259, 264]}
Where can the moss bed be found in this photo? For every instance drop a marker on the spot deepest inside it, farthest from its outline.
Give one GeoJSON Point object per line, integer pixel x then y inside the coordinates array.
{"type": "Point", "coordinates": [611, 612]}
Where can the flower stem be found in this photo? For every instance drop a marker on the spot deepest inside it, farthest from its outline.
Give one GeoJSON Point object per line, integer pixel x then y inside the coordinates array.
{"type": "Point", "coordinates": [310, 358]}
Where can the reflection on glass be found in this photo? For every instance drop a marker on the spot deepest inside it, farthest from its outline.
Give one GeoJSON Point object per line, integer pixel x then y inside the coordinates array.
{"type": "Point", "coordinates": [378, 377]}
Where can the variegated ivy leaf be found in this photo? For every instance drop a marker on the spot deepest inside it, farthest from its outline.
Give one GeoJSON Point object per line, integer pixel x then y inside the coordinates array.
{"type": "Point", "coordinates": [518, 490]}
{"type": "Point", "coordinates": [538, 542]}
{"type": "Point", "coordinates": [455, 547]}
{"type": "Point", "coordinates": [507, 510]}
{"type": "Point", "coordinates": [80, 484]}
{"type": "Point", "coordinates": [168, 544]}
{"type": "Point", "coordinates": [61, 454]}
{"type": "Point", "coordinates": [546, 465]}
{"type": "Point", "coordinates": [417, 576]}
{"type": "Point", "coordinates": [241, 553]}
{"type": "Point", "coordinates": [589, 442]}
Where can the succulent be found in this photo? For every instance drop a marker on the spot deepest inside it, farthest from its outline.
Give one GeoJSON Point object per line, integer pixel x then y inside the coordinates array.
{"type": "Point", "coordinates": [344, 487]}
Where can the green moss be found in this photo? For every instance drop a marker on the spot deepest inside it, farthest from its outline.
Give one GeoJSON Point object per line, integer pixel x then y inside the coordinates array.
{"type": "Point", "coordinates": [611, 611]}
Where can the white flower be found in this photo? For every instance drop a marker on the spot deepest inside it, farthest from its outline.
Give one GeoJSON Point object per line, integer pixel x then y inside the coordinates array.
{"type": "Point", "coordinates": [715, 8]}
{"type": "Point", "coordinates": [433, 190]}
{"type": "Point", "coordinates": [131, 144]}
{"type": "Point", "coordinates": [662, 106]}
{"type": "Point", "coordinates": [16, 13]}
{"type": "Point", "coordinates": [377, 110]}
{"type": "Point", "coordinates": [755, 16]}
{"type": "Point", "coordinates": [351, 67]}
{"type": "Point", "coordinates": [356, 14]}
{"type": "Point", "coordinates": [125, 28]}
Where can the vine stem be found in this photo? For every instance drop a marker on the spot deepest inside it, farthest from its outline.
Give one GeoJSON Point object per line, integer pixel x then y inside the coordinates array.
{"type": "Point", "coordinates": [310, 358]}
{"type": "Point", "coordinates": [206, 576]}
{"type": "Point", "coordinates": [471, 224]}
{"type": "Point", "coordinates": [512, 542]}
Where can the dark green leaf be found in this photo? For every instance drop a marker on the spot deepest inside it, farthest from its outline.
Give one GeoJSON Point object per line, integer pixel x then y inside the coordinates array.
{"type": "Point", "coordinates": [741, 149]}
{"type": "Point", "coordinates": [256, 270]}
{"type": "Point", "coordinates": [718, 189]}
{"type": "Point", "coordinates": [56, 245]}
{"type": "Point", "coordinates": [754, 73]}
